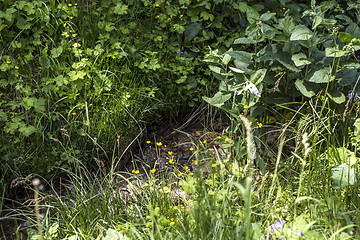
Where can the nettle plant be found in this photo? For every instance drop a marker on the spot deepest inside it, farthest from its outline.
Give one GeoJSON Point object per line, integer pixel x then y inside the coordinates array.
{"type": "Point", "coordinates": [286, 57]}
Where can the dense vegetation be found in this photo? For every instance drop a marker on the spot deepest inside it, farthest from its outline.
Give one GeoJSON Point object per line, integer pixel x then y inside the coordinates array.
{"type": "Point", "coordinates": [82, 81]}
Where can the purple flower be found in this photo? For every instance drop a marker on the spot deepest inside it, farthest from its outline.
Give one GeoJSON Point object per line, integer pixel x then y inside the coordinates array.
{"type": "Point", "coordinates": [278, 224]}
{"type": "Point", "coordinates": [300, 233]}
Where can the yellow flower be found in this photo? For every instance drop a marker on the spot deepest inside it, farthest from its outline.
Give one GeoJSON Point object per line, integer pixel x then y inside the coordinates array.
{"type": "Point", "coordinates": [172, 223]}
{"type": "Point", "coordinates": [213, 165]}
{"type": "Point", "coordinates": [8, 62]}
{"type": "Point", "coordinates": [181, 15]}
{"type": "Point", "coordinates": [148, 142]}
{"type": "Point", "coordinates": [74, 113]}
{"type": "Point", "coordinates": [159, 144]}
{"type": "Point", "coordinates": [175, 207]}
{"type": "Point", "coordinates": [191, 149]}
{"type": "Point", "coordinates": [227, 139]}
{"type": "Point", "coordinates": [171, 160]}
{"type": "Point", "coordinates": [137, 171]}
{"type": "Point", "coordinates": [69, 4]}
{"type": "Point", "coordinates": [218, 137]}
{"type": "Point", "coordinates": [211, 149]}
{"type": "Point", "coordinates": [158, 16]}
{"type": "Point", "coordinates": [204, 141]}
{"type": "Point", "coordinates": [170, 153]}
{"type": "Point", "coordinates": [274, 13]}
{"type": "Point", "coordinates": [186, 168]}
{"type": "Point", "coordinates": [284, 8]}
{"type": "Point", "coordinates": [75, 4]}
{"type": "Point", "coordinates": [169, 19]}
{"type": "Point", "coordinates": [268, 11]}
{"type": "Point", "coordinates": [246, 106]}
{"type": "Point", "coordinates": [153, 170]}
{"type": "Point", "coordinates": [179, 174]}
{"type": "Point", "coordinates": [17, 75]}
{"type": "Point", "coordinates": [173, 27]}
{"type": "Point", "coordinates": [133, 171]}
{"type": "Point", "coordinates": [16, 67]}
{"type": "Point", "coordinates": [64, 24]}
{"type": "Point", "coordinates": [156, 5]}
{"type": "Point", "coordinates": [259, 124]}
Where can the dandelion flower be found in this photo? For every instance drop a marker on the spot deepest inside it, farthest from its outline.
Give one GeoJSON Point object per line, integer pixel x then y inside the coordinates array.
{"type": "Point", "coordinates": [133, 171]}
{"type": "Point", "coordinates": [159, 144]}
{"type": "Point", "coordinates": [227, 139]}
{"type": "Point", "coordinates": [153, 170]}
{"type": "Point", "coordinates": [170, 153]}
{"type": "Point", "coordinates": [186, 168]}
{"type": "Point", "coordinates": [191, 149]}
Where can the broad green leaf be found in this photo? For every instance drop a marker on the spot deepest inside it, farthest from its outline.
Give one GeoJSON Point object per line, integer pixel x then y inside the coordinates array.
{"type": "Point", "coordinates": [56, 52]}
{"type": "Point", "coordinates": [191, 32]}
{"type": "Point", "coordinates": [336, 96]}
{"type": "Point", "coordinates": [120, 9]}
{"type": "Point", "coordinates": [218, 99]}
{"type": "Point", "coordinates": [241, 56]}
{"type": "Point", "coordinates": [301, 33]}
{"type": "Point", "coordinates": [286, 61]}
{"type": "Point", "coordinates": [335, 52]}
{"type": "Point", "coordinates": [44, 62]}
{"type": "Point", "coordinates": [343, 175]}
{"type": "Point", "coordinates": [317, 21]}
{"type": "Point", "coordinates": [236, 70]}
{"type": "Point", "coordinates": [266, 16]}
{"type": "Point", "coordinates": [245, 41]}
{"type": "Point", "coordinates": [345, 37]}
{"type": "Point", "coordinates": [348, 76]}
{"type": "Point", "coordinates": [258, 76]}
{"type": "Point", "coordinates": [75, 75]}
{"type": "Point", "coordinates": [22, 24]}
{"type": "Point", "coordinates": [27, 130]}
{"type": "Point", "coordinates": [320, 76]}
{"type": "Point", "coordinates": [226, 59]}
{"type": "Point", "coordinates": [300, 59]}
{"type": "Point", "coordinates": [3, 116]}
{"type": "Point", "coordinates": [306, 89]}
{"type": "Point", "coordinates": [252, 15]}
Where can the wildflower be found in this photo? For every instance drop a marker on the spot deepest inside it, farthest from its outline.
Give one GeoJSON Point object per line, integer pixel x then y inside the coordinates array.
{"type": "Point", "coordinates": [211, 149]}
{"type": "Point", "coordinates": [179, 174]}
{"type": "Point", "coordinates": [191, 149]}
{"type": "Point", "coordinates": [246, 106]}
{"type": "Point", "coordinates": [159, 143]}
{"type": "Point", "coordinates": [74, 113]}
{"type": "Point", "coordinates": [181, 16]}
{"type": "Point", "coordinates": [172, 223]}
{"type": "Point", "coordinates": [175, 207]}
{"type": "Point", "coordinates": [156, 5]}
{"type": "Point", "coordinates": [148, 142]}
{"type": "Point", "coordinates": [64, 24]}
{"type": "Point", "coordinates": [218, 137]}
{"type": "Point", "coordinates": [213, 165]}
{"type": "Point", "coordinates": [153, 170]}
{"type": "Point", "coordinates": [278, 224]}
{"type": "Point", "coordinates": [133, 171]}
{"type": "Point", "coordinates": [137, 172]}
{"type": "Point", "coordinates": [8, 62]}
{"type": "Point", "coordinates": [170, 153]}
{"type": "Point", "coordinates": [259, 124]}
{"type": "Point", "coordinates": [204, 141]}
{"type": "Point", "coordinates": [274, 13]}
{"type": "Point", "coordinates": [69, 4]}
{"type": "Point", "coordinates": [173, 27]}
{"type": "Point", "coordinates": [16, 67]}
{"type": "Point", "coordinates": [171, 160]}
{"type": "Point", "coordinates": [284, 8]}
{"type": "Point", "coordinates": [169, 19]}
{"type": "Point", "coordinates": [75, 4]}
{"type": "Point", "coordinates": [186, 168]}
{"type": "Point", "coordinates": [268, 11]}
{"type": "Point", "coordinates": [227, 139]}
{"type": "Point", "coordinates": [300, 233]}
{"type": "Point", "coordinates": [17, 75]}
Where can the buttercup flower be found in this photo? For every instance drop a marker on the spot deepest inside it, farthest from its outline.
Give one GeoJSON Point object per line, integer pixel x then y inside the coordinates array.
{"type": "Point", "coordinates": [211, 149]}
{"type": "Point", "coordinates": [69, 4]}
{"type": "Point", "coordinates": [8, 62]}
{"type": "Point", "coordinates": [213, 165]}
{"type": "Point", "coordinates": [246, 106]}
{"type": "Point", "coordinates": [218, 137]}
{"type": "Point", "coordinates": [181, 16]}
{"type": "Point", "coordinates": [172, 223]}
{"type": "Point", "coordinates": [153, 170]}
{"type": "Point", "coordinates": [259, 124]}
{"type": "Point", "coordinates": [191, 149]}
{"type": "Point", "coordinates": [171, 160]}
{"type": "Point", "coordinates": [186, 168]}
{"type": "Point", "coordinates": [227, 139]}
{"type": "Point", "coordinates": [148, 142]}
{"type": "Point", "coordinates": [179, 174]}
{"type": "Point", "coordinates": [64, 24]}
{"type": "Point", "coordinates": [156, 5]}
{"type": "Point", "coordinates": [159, 144]}
{"type": "Point", "coordinates": [204, 141]}
{"type": "Point", "coordinates": [170, 153]}
{"type": "Point", "coordinates": [175, 207]}
{"type": "Point", "coordinates": [74, 113]}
